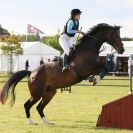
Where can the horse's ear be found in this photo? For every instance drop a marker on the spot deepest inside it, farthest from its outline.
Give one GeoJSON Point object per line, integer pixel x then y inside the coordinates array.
{"type": "Point", "coordinates": [117, 27]}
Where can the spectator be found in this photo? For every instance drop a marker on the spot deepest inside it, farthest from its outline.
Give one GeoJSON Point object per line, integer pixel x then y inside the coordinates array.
{"type": "Point", "coordinates": [119, 66]}
{"type": "Point", "coordinates": [109, 62]}
{"type": "Point", "coordinates": [41, 61]}
{"type": "Point", "coordinates": [27, 65]}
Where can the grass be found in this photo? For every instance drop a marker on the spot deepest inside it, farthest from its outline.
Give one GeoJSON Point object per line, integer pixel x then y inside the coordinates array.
{"type": "Point", "coordinates": [72, 113]}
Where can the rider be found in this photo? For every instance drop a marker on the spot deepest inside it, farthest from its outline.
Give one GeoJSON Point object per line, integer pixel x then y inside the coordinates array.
{"type": "Point", "coordinates": [68, 38]}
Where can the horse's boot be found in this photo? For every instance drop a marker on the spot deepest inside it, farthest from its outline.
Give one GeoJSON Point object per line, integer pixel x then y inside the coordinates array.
{"type": "Point", "coordinates": [91, 78]}
{"type": "Point", "coordinates": [96, 79]}
{"type": "Point", "coordinates": [102, 71]}
{"type": "Point", "coordinates": [65, 63]}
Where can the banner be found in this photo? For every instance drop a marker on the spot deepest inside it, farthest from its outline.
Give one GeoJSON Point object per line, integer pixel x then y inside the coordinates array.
{"type": "Point", "coordinates": [33, 30]}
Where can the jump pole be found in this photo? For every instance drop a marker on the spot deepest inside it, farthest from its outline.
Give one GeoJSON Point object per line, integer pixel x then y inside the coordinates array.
{"type": "Point", "coordinates": [130, 73]}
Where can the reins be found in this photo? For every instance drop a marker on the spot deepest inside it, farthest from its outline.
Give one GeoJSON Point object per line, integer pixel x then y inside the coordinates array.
{"type": "Point", "coordinates": [93, 47]}
{"type": "Point", "coordinates": [93, 37]}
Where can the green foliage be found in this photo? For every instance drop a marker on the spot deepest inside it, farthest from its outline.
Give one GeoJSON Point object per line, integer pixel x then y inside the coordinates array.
{"type": "Point", "coordinates": [52, 41]}
{"type": "Point", "coordinates": [11, 45]}
{"type": "Point", "coordinates": [126, 39]}
{"type": "Point", "coordinates": [29, 38]}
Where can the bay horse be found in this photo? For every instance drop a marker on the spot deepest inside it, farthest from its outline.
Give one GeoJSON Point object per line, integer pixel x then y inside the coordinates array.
{"type": "Point", "coordinates": [44, 81]}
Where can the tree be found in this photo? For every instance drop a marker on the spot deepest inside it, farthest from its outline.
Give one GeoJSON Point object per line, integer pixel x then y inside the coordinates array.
{"type": "Point", "coordinates": [126, 39]}
{"type": "Point", "coordinates": [30, 38]}
{"type": "Point", "coordinates": [52, 41]}
{"type": "Point", "coordinates": [11, 46]}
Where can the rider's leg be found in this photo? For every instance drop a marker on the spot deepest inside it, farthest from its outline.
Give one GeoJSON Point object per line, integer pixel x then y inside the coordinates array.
{"type": "Point", "coordinates": [73, 41]}
{"type": "Point", "coordinates": [64, 43]}
{"type": "Point", "coordinates": [65, 63]}
{"type": "Point", "coordinates": [72, 44]}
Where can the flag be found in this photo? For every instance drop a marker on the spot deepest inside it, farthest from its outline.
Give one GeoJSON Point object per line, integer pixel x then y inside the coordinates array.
{"type": "Point", "coordinates": [34, 30]}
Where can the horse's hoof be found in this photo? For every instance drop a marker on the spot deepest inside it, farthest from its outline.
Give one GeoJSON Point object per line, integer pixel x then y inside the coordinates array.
{"type": "Point", "coordinates": [96, 80]}
{"type": "Point", "coordinates": [47, 122]}
{"type": "Point", "coordinates": [30, 122]}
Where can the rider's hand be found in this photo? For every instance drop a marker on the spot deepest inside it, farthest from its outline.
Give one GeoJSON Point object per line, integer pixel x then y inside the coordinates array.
{"type": "Point", "coordinates": [81, 32]}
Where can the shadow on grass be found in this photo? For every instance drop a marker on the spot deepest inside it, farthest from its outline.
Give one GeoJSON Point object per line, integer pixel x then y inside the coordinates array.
{"type": "Point", "coordinates": [109, 129]}
{"type": "Point", "coordinates": [84, 125]}
{"type": "Point", "coordinates": [102, 85]}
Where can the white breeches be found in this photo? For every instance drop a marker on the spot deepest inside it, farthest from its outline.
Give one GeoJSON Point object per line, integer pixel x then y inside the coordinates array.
{"type": "Point", "coordinates": [67, 42]}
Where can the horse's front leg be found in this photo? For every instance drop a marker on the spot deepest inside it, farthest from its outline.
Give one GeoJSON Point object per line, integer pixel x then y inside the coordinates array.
{"type": "Point", "coordinates": [102, 70]}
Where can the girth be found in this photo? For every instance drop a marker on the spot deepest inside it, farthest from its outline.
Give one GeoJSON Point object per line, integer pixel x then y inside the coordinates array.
{"type": "Point", "coordinates": [80, 77]}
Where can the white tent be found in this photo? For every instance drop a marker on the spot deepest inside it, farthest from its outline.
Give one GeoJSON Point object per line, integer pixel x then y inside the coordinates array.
{"type": "Point", "coordinates": [33, 52]}
{"type": "Point", "coordinates": [128, 46]}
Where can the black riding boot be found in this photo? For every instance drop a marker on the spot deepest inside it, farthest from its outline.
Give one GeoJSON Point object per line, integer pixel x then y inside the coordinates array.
{"type": "Point", "coordinates": [71, 51]}
{"type": "Point", "coordinates": [65, 63]}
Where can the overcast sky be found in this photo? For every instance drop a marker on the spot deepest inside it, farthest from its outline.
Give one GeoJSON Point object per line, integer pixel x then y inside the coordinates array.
{"type": "Point", "coordinates": [50, 15]}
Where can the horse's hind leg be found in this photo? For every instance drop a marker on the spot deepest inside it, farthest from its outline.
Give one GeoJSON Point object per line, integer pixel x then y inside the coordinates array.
{"type": "Point", "coordinates": [45, 100]}
{"type": "Point", "coordinates": [28, 106]}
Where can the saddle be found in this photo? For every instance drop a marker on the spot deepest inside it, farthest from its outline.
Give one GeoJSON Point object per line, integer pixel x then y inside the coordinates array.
{"type": "Point", "coordinates": [60, 58]}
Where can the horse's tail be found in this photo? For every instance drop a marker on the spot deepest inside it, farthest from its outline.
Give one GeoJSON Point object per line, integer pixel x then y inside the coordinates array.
{"type": "Point", "coordinates": [11, 84]}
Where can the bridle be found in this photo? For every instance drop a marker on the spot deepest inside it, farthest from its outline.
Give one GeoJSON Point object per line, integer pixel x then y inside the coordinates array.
{"type": "Point", "coordinates": [98, 41]}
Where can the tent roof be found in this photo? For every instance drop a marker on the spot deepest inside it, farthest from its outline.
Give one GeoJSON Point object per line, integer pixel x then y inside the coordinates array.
{"type": "Point", "coordinates": [38, 48]}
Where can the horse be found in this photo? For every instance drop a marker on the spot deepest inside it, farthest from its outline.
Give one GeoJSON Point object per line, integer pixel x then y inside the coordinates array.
{"type": "Point", "coordinates": [44, 81]}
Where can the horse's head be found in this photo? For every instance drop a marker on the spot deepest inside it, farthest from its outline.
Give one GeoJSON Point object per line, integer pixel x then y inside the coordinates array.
{"type": "Point", "coordinates": [113, 38]}
{"type": "Point", "coordinates": [103, 33]}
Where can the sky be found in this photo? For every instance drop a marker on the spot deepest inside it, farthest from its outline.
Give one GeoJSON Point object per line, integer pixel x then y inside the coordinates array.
{"type": "Point", "coordinates": [51, 15]}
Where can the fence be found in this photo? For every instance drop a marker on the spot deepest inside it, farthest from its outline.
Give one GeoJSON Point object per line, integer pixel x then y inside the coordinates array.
{"type": "Point", "coordinates": [130, 71]}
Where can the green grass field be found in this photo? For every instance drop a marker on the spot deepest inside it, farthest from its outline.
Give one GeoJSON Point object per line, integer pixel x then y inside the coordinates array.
{"type": "Point", "coordinates": [72, 113]}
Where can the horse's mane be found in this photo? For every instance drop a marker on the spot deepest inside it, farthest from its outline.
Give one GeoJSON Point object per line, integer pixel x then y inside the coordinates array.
{"type": "Point", "coordinates": [94, 30]}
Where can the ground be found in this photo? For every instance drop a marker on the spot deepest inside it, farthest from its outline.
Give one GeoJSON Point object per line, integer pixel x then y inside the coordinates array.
{"type": "Point", "coordinates": [75, 112]}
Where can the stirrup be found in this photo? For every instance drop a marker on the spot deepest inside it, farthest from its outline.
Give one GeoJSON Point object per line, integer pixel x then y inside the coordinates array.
{"type": "Point", "coordinates": [67, 67]}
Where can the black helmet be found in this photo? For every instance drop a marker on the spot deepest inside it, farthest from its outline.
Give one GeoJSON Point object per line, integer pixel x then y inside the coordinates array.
{"type": "Point", "coordinates": [75, 12]}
